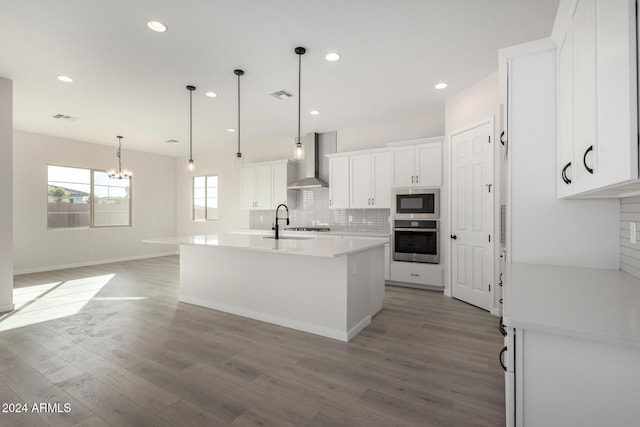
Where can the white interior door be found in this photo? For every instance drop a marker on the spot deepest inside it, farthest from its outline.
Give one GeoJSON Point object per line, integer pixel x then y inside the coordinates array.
{"type": "Point", "coordinates": [472, 215]}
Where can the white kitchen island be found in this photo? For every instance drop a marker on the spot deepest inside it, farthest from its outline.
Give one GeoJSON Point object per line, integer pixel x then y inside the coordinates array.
{"type": "Point", "coordinates": [330, 286]}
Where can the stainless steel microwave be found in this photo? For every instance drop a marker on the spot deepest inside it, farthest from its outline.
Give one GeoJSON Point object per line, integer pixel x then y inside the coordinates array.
{"type": "Point", "coordinates": [416, 203]}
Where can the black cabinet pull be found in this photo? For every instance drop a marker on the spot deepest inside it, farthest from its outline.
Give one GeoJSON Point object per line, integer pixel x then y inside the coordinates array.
{"type": "Point", "coordinates": [504, 349]}
{"type": "Point", "coordinates": [584, 160]}
{"type": "Point", "coordinates": [565, 178]}
{"type": "Point", "coordinates": [500, 284]}
{"type": "Point", "coordinates": [454, 237]}
{"type": "Point", "coordinates": [501, 328]}
{"type": "Point", "coordinates": [502, 141]}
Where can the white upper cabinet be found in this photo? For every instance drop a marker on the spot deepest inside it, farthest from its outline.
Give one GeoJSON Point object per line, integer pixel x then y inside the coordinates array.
{"type": "Point", "coordinates": [369, 181]}
{"type": "Point", "coordinates": [418, 164]}
{"type": "Point", "coordinates": [597, 98]}
{"type": "Point", "coordinates": [264, 185]}
{"type": "Point", "coordinates": [339, 182]}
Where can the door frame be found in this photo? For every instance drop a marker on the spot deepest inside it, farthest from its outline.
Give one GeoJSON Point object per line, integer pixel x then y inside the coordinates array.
{"type": "Point", "coordinates": [446, 247]}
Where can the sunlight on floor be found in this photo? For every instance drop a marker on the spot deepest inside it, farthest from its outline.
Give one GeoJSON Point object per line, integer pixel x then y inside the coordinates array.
{"type": "Point", "coordinates": [40, 303]}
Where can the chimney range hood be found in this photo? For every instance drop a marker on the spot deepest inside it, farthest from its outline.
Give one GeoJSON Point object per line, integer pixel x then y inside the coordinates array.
{"type": "Point", "coordinates": [312, 162]}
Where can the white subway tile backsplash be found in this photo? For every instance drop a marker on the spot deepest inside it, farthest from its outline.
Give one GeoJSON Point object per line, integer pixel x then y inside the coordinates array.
{"type": "Point", "coordinates": [629, 252]}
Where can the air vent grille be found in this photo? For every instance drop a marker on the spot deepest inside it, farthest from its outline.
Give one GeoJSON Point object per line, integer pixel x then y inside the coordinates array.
{"type": "Point", "coordinates": [64, 117]}
{"type": "Point", "coordinates": [282, 94]}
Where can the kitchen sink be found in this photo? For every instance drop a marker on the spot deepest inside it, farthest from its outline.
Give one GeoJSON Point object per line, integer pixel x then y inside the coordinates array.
{"type": "Point", "coordinates": [289, 237]}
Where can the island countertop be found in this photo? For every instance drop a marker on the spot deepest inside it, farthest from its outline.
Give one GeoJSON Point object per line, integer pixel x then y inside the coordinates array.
{"type": "Point", "coordinates": [318, 247]}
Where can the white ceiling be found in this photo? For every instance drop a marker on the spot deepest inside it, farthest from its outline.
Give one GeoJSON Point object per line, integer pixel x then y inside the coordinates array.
{"type": "Point", "coordinates": [131, 81]}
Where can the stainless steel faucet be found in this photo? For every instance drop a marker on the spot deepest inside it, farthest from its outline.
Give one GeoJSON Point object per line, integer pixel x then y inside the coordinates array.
{"type": "Point", "coordinates": [275, 227]}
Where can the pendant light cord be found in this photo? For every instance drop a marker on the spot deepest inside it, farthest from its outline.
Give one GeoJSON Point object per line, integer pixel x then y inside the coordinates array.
{"type": "Point", "coordinates": [119, 155]}
{"type": "Point", "coordinates": [299, 95]}
{"type": "Point", "coordinates": [238, 113]}
{"type": "Point", "coordinates": [190, 124]}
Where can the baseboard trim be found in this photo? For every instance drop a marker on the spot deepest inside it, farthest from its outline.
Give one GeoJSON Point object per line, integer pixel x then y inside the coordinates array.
{"type": "Point", "coordinates": [7, 308]}
{"type": "Point", "coordinates": [89, 263]}
{"type": "Point", "coordinates": [336, 334]}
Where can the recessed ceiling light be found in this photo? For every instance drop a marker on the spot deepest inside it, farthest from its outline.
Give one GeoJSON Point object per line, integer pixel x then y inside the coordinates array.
{"type": "Point", "coordinates": [332, 56]}
{"type": "Point", "coordinates": [211, 94]}
{"type": "Point", "coordinates": [157, 26]}
{"type": "Point", "coordinates": [314, 112]}
{"type": "Point", "coordinates": [65, 79]}
{"type": "Point", "coordinates": [441, 85]}
{"type": "Point", "coordinates": [231, 130]}
{"type": "Point", "coordinates": [172, 141]}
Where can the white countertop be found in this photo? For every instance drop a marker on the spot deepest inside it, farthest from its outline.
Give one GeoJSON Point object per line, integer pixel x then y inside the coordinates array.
{"type": "Point", "coordinates": [326, 247]}
{"type": "Point", "coordinates": [590, 303]}
{"type": "Point", "coordinates": [319, 233]}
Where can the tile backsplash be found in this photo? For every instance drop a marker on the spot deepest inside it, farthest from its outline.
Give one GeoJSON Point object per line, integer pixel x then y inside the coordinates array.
{"type": "Point", "coordinates": [629, 252]}
{"type": "Point", "coordinates": [312, 206]}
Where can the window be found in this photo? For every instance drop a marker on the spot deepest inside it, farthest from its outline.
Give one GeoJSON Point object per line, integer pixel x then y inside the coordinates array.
{"type": "Point", "coordinates": [86, 198]}
{"type": "Point", "coordinates": [205, 198]}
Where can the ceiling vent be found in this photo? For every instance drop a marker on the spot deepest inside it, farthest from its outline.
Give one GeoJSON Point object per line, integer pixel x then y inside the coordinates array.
{"type": "Point", "coordinates": [64, 117]}
{"type": "Point", "coordinates": [172, 141]}
{"type": "Point", "coordinates": [282, 94]}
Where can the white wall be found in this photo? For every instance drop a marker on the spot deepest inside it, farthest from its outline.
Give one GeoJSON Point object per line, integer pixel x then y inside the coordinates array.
{"type": "Point", "coordinates": [6, 189]}
{"type": "Point", "coordinates": [479, 102]}
{"type": "Point", "coordinates": [153, 194]}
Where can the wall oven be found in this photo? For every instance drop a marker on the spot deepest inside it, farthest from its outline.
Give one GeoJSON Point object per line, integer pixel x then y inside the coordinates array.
{"type": "Point", "coordinates": [416, 240]}
{"type": "Point", "coordinates": [416, 203]}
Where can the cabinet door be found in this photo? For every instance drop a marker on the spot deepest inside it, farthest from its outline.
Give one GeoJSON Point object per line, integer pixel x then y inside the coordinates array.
{"type": "Point", "coordinates": [339, 183]}
{"type": "Point", "coordinates": [617, 151]}
{"type": "Point", "coordinates": [429, 165]}
{"type": "Point", "coordinates": [264, 198]}
{"type": "Point", "coordinates": [249, 187]}
{"type": "Point", "coordinates": [584, 92]}
{"type": "Point", "coordinates": [279, 182]}
{"type": "Point", "coordinates": [403, 164]}
{"type": "Point", "coordinates": [360, 189]}
{"type": "Point", "coordinates": [566, 165]}
{"type": "Point", "coordinates": [381, 169]}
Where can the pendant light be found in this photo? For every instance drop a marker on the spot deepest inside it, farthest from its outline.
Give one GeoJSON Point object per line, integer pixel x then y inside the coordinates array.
{"type": "Point", "coordinates": [239, 158]}
{"type": "Point", "coordinates": [298, 152]}
{"type": "Point", "coordinates": [119, 174]}
{"type": "Point", "coordinates": [190, 165]}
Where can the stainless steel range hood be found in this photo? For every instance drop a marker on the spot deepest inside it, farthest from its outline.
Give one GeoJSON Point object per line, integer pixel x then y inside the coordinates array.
{"type": "Point", "coordinates": [312, 162]}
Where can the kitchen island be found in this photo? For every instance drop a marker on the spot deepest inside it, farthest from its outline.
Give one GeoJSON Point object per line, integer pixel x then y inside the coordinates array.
{"type": "Point", "coordinates": [330, 286]}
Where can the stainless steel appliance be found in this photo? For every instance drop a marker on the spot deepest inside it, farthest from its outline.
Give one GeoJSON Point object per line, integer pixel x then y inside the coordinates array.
{"type": "Point", "coordinates": [416, 240]}
{"type": "Point", "coordinates": [416, 203]}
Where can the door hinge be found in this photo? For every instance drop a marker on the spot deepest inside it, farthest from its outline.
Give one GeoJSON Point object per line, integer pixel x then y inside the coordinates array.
{"type": "Point", "coordinates": [489, 237]}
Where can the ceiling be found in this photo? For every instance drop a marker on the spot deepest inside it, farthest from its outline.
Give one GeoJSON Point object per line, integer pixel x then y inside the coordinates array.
{"type": "Point", "coordinates": [131, 81]}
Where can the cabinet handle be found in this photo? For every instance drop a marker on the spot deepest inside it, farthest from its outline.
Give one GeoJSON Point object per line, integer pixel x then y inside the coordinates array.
{"type": "Point", "coordinates": [412, 179]}
{"type": "Point", "coordinates": [501, 328]}
{"type": "Point", "coordinates": [584, 160]}
{"type": "Point", "coordinates": [373, 201]}
{"type": "Point", "coordinates": [369, 202]}
{"type": "Point", "coordinates": [454, 237]}
{"type": "Point", "coordinates": [417, 179]}
{"type": "Point", "coordinates": [565, 178]}
{"type": "Point", "coordinates": [330, 202]}
{"type": "Point", "coordinates": [502, 352]}
{"type": "Point", "coordinates": [502, 140]}
{"type": "Point", "coordinates": [415, 274]}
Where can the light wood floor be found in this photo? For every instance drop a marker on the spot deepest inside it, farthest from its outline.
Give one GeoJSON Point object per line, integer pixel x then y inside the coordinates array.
{"type": "Point", "coordinates": [113, 342]}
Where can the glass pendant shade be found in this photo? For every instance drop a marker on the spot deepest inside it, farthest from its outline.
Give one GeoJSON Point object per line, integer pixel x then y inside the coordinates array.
{"type": "Point", "coordinates": [239, 162]}
{"type": "Point", "coordinates": [191, 166]}
{"type": "Point", "coordinates": [298, 152]}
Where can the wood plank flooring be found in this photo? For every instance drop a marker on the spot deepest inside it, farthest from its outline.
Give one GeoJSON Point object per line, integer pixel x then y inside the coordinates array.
{"type": "Point", "coordinates": [113, 342]}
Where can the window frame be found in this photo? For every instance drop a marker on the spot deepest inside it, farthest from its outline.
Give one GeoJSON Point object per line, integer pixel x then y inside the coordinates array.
{"type": "Point", "coordinates": [206, 198]}
{"type": "Point", "coordinates": [91, 200]}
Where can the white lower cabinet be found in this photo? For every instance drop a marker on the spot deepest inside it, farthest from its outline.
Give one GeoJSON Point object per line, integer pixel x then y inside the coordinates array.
{"type": "Point", "coordinates": [416, 273]}
{"type": "Point", "coordinates": [568, 381]}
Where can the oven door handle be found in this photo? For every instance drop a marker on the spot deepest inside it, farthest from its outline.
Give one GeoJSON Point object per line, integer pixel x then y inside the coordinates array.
{"type": "Point", "coordinates": [417, 230]}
